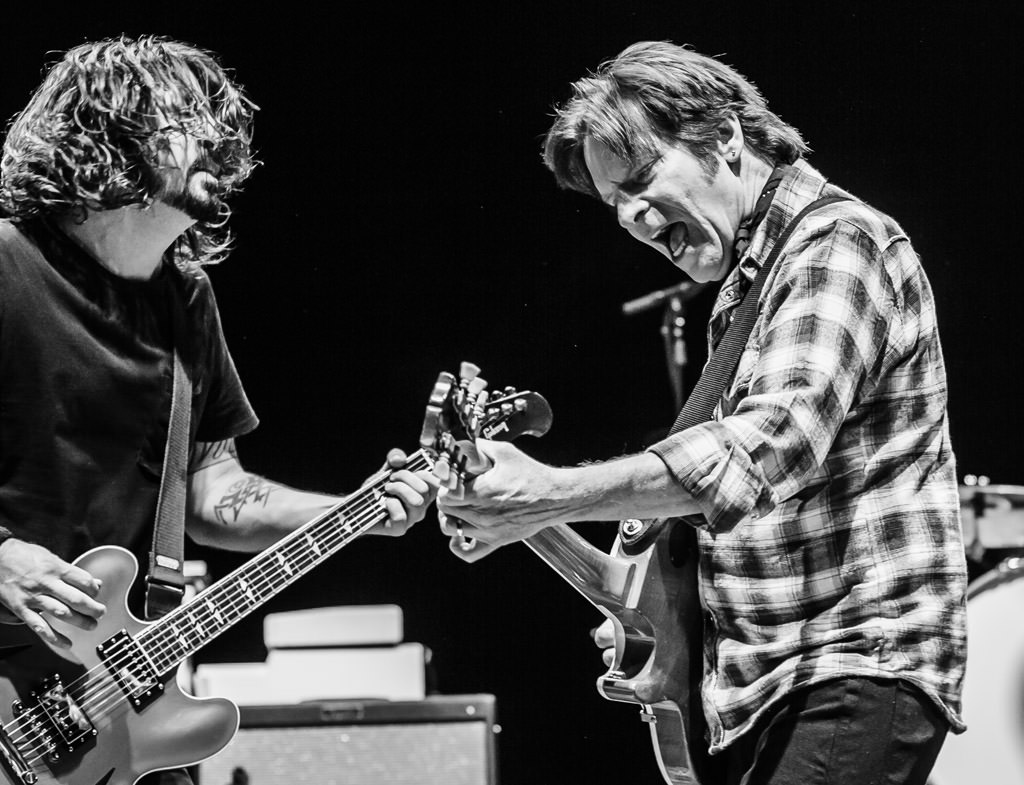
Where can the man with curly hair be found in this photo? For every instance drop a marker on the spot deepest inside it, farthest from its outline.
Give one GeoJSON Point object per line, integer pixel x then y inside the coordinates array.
{"type": "Point", "coordinates": [822, 489]}
{"type": "Point", "coordinates": [114, 186]}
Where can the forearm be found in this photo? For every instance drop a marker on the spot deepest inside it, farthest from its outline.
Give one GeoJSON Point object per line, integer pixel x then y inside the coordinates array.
{"type": "Point", "coordinates": [521, 495]}
{"type": "Point", "coordinates": [246, 512]}
{"type": "Point", "coordinates": [233, 509]}
{"type": "Point", "coordinates": [637, 486]}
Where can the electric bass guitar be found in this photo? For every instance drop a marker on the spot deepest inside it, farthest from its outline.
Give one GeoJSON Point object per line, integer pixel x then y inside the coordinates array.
{"type": "Point", "coordinates": [110, 710]}
{"type": "Point", "coordinates": [647, 586]}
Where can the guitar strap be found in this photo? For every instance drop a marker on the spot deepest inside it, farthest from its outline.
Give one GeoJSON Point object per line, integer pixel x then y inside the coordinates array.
{"type": "Point", "coordinates": [165, 582]}
{"type": "Point", "coordinates": [701, 403]}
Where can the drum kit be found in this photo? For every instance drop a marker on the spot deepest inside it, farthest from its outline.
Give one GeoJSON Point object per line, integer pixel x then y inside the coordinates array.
{"type": "Point", "coordinates": [992, 749]}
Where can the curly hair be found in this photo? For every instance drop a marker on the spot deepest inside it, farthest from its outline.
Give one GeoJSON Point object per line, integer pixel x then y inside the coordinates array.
{"type": "Point", "coordinates": [90, 136]}
{"type": "Point", "coordinates": [655, 92]}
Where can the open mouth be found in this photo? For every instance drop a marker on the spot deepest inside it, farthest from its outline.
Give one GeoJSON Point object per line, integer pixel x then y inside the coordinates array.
{"type": "Point", "coordinates": [674, 237]}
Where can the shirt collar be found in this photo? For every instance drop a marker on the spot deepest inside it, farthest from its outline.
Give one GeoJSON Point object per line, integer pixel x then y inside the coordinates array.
{"type": "Point", "coordinates": [801, 185]}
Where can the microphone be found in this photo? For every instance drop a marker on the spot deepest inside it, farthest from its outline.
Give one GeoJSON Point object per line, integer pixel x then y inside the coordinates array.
{"type": "Point", "coordinates": [684, 290]}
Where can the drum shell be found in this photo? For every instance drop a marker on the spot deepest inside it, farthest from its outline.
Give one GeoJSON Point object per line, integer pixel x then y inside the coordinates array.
{"type": "Point", "coordinates": [991, 751]}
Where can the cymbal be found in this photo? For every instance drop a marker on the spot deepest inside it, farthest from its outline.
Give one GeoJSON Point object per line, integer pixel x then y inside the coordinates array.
{"type": "Point", "coordinates": [1012, 492]}
{"type": "Point", "coordinates": [992, 515]}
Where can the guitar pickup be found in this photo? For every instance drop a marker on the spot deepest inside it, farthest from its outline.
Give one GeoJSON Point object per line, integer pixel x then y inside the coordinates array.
{"type": "Point", "coordinates": [131, 668]}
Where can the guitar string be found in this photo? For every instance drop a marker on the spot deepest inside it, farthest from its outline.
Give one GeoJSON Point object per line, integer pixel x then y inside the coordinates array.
{"type": "Point", "coordinates": [297, 563]}
{"type": "Point", "coordinates": [105, 681]}
{"type": "Point", "coordinates": [98, 702]}
{"type": "Point", "coordinates": [115, 663]}
{"type": "Point", "coordinates": [356, 505]}
{"type": "Point", "coordinates": [420, 459]}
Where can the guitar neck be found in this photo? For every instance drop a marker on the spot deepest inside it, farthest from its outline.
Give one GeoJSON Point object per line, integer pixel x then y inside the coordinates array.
{"type": "Point", "coordinates": [598, 576]}
{"type": "Point", "coordinates": [181, 633]}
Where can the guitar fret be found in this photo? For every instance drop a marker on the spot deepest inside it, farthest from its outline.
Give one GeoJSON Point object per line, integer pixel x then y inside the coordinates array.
{"type": "Point", "coordinates": [311, 540]}
{"type": "Point", "coordinates": [214, 611]}
{"type": "Point", "coordinates": [284, 563]}
{"type": "Point", "coordinates": [246, 589]}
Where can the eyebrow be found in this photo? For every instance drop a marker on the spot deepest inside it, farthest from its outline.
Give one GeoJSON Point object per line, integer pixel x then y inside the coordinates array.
{"type": "Point", "coordinates": [634, 175]}
{"type": "Point", "coordinates": [641, 171]}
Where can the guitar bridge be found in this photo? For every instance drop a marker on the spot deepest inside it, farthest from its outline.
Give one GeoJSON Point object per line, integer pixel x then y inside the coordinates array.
{"type": "Point", "coordinates": [55, 719]}
{"type": "Point", "coordinates": [131, 668]}
{"type": "Point", "coordinates": [14, 761]}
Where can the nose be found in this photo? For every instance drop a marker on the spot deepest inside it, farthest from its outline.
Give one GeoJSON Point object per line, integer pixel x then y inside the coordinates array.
{"type": "Point", "coordinates": [632, 212]}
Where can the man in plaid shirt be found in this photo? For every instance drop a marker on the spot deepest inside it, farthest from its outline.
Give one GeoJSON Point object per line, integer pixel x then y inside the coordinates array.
{"type": "Point", "coordinates": [832, 567]}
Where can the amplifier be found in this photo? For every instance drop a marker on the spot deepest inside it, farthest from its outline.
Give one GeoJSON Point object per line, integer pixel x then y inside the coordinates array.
{"type": "Point", "coordinates": [442, 740]}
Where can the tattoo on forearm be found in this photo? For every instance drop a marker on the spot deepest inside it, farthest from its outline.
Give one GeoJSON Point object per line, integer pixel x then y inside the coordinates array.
{"type": "Point", "coordinates": [210, 453]}
{"type": "Point", "coordinates": [251, 491]}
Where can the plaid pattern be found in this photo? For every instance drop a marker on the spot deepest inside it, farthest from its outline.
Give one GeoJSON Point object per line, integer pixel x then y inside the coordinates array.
{"type": "Point", "coordinates": [833, 543]}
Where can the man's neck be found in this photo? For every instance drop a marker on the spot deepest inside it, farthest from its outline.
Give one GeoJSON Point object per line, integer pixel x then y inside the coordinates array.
{"type": "Point", "coordinates": [129, 241]}
{"type": "Point", "coordinates": [754, 174]}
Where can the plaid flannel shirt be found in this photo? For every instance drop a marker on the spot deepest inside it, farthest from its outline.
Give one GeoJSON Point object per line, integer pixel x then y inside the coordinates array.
{"type": "Point", "coordinates": [832, 544]}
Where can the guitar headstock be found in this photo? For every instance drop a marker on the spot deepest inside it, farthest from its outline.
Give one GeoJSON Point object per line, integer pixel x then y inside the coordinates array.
{"type": "Point", "coordinates": [463, 410]}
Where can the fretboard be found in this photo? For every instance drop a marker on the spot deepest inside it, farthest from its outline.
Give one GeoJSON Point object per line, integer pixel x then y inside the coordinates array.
{"type": "Point", "coordinates": [184, 631]}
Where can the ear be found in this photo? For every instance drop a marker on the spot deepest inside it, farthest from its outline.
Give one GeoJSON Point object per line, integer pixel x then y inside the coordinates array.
{"type": "Point", "coordinates": [730, 139]}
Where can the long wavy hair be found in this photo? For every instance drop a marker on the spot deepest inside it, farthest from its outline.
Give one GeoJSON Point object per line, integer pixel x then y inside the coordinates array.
{"type": "Point", "coordinates": [655, 92]}
{"type": "Point", "coordinates": [90, 136]}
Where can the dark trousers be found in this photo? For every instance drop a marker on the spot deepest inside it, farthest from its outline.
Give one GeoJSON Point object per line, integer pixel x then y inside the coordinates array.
{"type": "Point", "coordinates": [854, 731]}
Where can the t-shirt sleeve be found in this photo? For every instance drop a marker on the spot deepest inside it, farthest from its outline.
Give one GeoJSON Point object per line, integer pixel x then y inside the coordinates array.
{"type": "Point", "coordinates": [226, 411]}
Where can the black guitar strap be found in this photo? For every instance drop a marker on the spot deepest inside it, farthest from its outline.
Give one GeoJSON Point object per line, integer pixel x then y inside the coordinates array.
{"type": "Point", "coordinates": [165, 582]}
{"type": "Point", "coordinates": [701, 403]}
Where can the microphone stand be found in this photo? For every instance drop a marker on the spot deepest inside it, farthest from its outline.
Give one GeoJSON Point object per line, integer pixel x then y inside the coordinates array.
{"type": "Point", "coordinates": [673, 324]}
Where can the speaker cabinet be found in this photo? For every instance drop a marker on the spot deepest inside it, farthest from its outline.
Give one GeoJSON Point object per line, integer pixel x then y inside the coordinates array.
{"type": "Point", "coordinates": [443, 740]}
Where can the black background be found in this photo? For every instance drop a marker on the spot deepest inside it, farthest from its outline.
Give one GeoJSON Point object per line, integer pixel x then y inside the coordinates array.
{"type": "Point", "coordinates": [402, 222]}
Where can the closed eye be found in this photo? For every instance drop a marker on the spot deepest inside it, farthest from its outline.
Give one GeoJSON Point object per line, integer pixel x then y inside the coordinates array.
{"type": "Point", "coordinates": [640, 178]}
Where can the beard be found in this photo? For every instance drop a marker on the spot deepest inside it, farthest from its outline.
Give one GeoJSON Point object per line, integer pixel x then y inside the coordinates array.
{"type": "Point", "coordinates": [197, 194]}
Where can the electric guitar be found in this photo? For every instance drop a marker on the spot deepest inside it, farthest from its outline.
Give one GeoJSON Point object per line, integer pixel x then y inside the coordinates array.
{"type": "Point", "coordinates": [109, 710]}
{"type": "Point", "coordinates": [647, 586]}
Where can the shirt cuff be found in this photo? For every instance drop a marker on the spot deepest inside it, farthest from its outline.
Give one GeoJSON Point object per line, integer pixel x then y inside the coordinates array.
{"type": "Point", "coordinates": [718, 473]}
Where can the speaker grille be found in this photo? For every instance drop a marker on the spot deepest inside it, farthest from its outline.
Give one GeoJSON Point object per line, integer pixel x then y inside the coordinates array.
{"type": "Point", "coordinates": [392, 751]}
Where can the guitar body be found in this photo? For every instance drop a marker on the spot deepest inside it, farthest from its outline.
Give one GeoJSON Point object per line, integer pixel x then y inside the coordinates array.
{"type": "Point", "coordinates": [658, 647]}
{"type": "Point", "coordinates": [647, 587]}
{"type": "Point", "coordinates": [172, 730]}
{"type": "Point", "coordinates": [109, 710]}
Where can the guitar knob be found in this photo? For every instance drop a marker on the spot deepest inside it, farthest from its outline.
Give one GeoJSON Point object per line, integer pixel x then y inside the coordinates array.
{"type": "Point", "coordinates": [631, 527]}
{"type": "Point", "coordinates": [468, 371]}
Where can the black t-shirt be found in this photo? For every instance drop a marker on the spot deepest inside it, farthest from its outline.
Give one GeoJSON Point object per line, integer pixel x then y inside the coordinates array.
{"type": "Point", "coordinates": [85, 389]}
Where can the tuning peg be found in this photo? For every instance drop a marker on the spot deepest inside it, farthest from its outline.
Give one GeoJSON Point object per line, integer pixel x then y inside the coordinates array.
{"type": "Point", "coordinates": [476, 415]}
{"type": "Point", "coordinates": [476, 386]}
{"type": "Point", "coordinates": [468, 371]}
{"type": "Point", "coordinates": [442, 468]}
